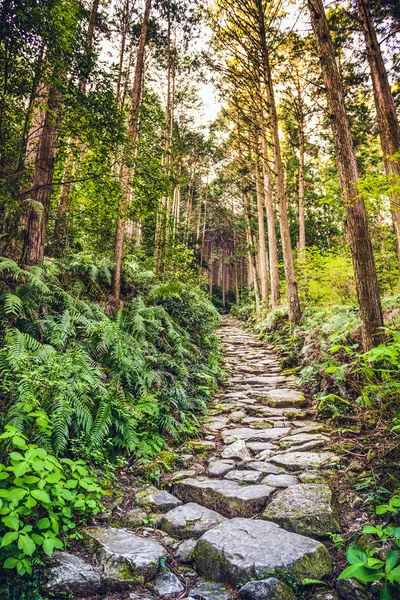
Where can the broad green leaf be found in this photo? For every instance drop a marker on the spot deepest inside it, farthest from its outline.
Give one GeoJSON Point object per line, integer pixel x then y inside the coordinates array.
{"type": "Point", "coordinates": [392, 559]}
{"type": "Point", "coordinates": [43, 523]}
{"type": "Point", "coordinates": [9, 538]}
{"type": "Point", "coordinates": [26, 544]}
{"type": "Point", "coordinates": [10, 563]}
{"type": "Point", "coordinates": [356, 555]}
{"type": "Point", "coordinates": [11, 521]}
{"type": "Point", "coordinates": [41, 495]}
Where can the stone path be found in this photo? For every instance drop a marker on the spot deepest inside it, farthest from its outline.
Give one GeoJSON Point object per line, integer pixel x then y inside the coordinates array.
{"type": "Point", "coordinates": [254, 518]}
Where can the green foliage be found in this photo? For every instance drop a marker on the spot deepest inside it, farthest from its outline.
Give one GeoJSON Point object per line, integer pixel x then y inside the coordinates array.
{"type": "Point", "coordinates": [113, 382]}
{"type": "Point", "coordinates": [42, 500]}
{"type": "Point", "coordinates": [367, 568]}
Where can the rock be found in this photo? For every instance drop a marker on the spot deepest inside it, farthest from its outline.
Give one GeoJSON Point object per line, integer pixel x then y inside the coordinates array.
{"type": "Point", "coordinates": [264, 467]}
{"type": "Point", "coordinates": [217, 423]}
{"type": "Point", "coordinates": [281, 481]}
{"type": "Point", "coordinates": [243, 549]}
{"type": "Point", "coordinates": [324, 595]}
{"type": "Point", "coordinates": [236, 450]}
{"type": "Point", "coordinates": [298, 461]}
{"type": "Point", "coordinates": [253, 435]}
{"type": "Point", "coordinates": [70, 575]}
{"type": "Point", "coordinates": [266, 589]}
{"type": "Point", "coordinates": [265, 455]}
{"type": "Point", "coordinates": [228, 497]}
{"type": "Point", "coordinates": [244, 476]}
{"type": "Point", "coordinates": [202, 446]}
{"type": "Point", "coordinates": [205, 590]}
{"type": "Point", "coordinates": [237, 416]}
{"type": "Point", "coordinates": [284, 398]}
{"type": "Point", "coordinates": [126, 558]}
{"type": "Point", "coordinates": [260, 446]}
{"type": "Point", "coordinates": [299, 439]}
{"type": "Point", "coordinates": [167, 584]}
{"type": "Point", "coordinates": [155, 498]}
{"type": "Point", "coordinates": [182, 475]}
{"type": "Point", "coordinates": [351, 589]}
{"type": "Point", "coordinates": [136, 596]}
{"type": "Point", "coordinates": [312, 477]}
{"type": "Point", "coordinates": [134, 517]}
{"type": "Point", "coordinates": [185, 551]}
{"type": "Point", "coordinates": [220, 467]}
{"type": "Point", "coordinates": [190, 521]}
{"type": "Point", "coordinates": [309, 509]}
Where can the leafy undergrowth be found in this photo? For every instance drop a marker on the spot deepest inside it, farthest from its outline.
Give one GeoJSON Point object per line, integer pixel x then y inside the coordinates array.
{"type": "Point", "coordinates": [358, 394]}
{"type": "Point", "coordinates": [86, 390]}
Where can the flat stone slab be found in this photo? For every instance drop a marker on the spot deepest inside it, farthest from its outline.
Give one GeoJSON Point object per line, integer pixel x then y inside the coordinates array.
{"type": "Point", "coordinates": [253, 435]}
{"type": "Point", "coordinates": [302, 438]}
{"type": "Point", "coordinates": [283, 398]}
{"type": "Point", "coordinates": [155, 498]}
{"type": "Point", "coordinates": [226, 497]}
{"type": "Point", "coordinates": [308, 508]}
{"type": "Point", "coordinates": [266, 589]}
{"type": "Point", "coordinates": [281, 481]}
{"type": "Point", "coordinates": [219, 468]}
{"type": "Point", "coordinates": [189, 521]}
{"type": "Point", "coordinates": [244, 476]}
{"type": "Point", "coordinates": [263, 467]}
{"type": "Point", "coordinates": [71, 576]}
{"type": "Point", "coordinates": [125, 557]}
{"type": "Point", "coordinates": [185, 551]}
{"type": "Point", "coordinates": [237, 415]}
{"type": "Point", "coordinates": [206, 590]}
{"type": "Point", "coordinates": [260, 446]}
{"type": "Point", "coordinates": [243, 549]}
{"type": "Point", "coordinates": [302, 461]}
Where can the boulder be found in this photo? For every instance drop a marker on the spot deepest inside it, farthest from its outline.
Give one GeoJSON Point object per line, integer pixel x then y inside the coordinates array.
{"type": "Point", "coordinates": [190, 521]}
{"type": "Point", "coordinates": [220, 467]}
{"type": "Point", "coordinates": [303, 461]}
{"type": "Point", "coordinates": [70, 575]}
{"type": "Point", "coordinates": [236, 450]}
{"type": "Point", "coordinates": [308, 508]}
{"type": "Point", "coordinates": [206, 590]}
{"type": "Point", "coordinates": [244, 476]}
{"type": "Point", "coordinates": [185, 551]}
{"type": "Point", "coordinates": [324, 595]}
{"type": "Point", "coordinates": [227, 497]}
{"type": "Point", "coordinates": [243, 549]}
{"type": "Point", "coordinates": [125, 558]}
{"type": "Point", "coordinates": [167, 584]}
{"type": "Point", "coordinates": [154, 498]}
{"type": "Point", "coordinates": [266, 589]}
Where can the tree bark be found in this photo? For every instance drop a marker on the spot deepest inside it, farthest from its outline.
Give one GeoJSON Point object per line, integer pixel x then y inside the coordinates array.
{"type": "Point", "coordinates": [261, 230]}
{"type": "Point", "coordinates": [126, 171]}
{"type": "Point", "coordinates": [38, 213]}
{"type": "Point", "coordinates": [290, 274]}
{"type": "Point", "coordinates": [356, 216]}
{"type": "Point", "coordinates": [269, 207]}
{"type": "Point", "coordinates": [388, 122]}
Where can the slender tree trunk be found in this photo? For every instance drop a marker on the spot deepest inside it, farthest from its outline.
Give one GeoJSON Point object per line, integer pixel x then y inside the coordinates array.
{"type": "Point", "coordinates": [388, 122]}
{"type": "Point", "coordinates": [302, 222]}
{"type": "Point", "coordinates": [261, 231]}
{"type": "Point", "coordinates": [252, 260]}
{"type": "Point", "coordinates": [269, 207]}
{"type": "Point", "coordinates": [356, 216]}
{"type": "Point", "coordinates": [290, 274]}
{"type": "Point", "coordinates": [211, 268]}
{"type": "Point", "coordinates": [126, 170]}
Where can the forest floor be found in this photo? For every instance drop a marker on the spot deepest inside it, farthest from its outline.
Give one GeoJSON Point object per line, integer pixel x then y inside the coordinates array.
{"type": "Point", "coordinates": [255, 498]}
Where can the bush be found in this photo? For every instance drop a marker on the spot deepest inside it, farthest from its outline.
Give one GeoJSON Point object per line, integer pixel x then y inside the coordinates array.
{"type": "Point", "coordinates": [42, 500]}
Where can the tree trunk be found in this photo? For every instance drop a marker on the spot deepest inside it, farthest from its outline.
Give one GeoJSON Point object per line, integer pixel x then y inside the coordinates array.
{"type": "Point", "coordinates": [356, 216]}
{"type": "Point", "coordinates": [302, 223]}
{"type": "Point", "coordinates": [261, 232]}
{"type": "Point", "coordinates": [388, 122]}
{"type": "Point", "coordinates": [269, 207]}
{"type": "Point", "coordinates": [290, 275]}
{"type": "Point", "coordinates": [40, 192]}
{"type": "Point", "coordinates": [126, 170]}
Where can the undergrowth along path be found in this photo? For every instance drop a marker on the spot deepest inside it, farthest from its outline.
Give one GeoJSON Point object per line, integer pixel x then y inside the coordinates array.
{"type": "Point", "coordinates": [252, 503]}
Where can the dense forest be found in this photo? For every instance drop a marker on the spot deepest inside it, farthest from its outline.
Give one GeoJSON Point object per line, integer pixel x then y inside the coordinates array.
{"type": "Point", "coordinates": [167, 166]}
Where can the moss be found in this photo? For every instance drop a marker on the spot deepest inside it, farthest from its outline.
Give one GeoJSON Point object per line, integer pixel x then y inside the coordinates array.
{"type": "Point", "coordinates": [161, 463]}
{"type": "Point", "coordinates": [262, 424]}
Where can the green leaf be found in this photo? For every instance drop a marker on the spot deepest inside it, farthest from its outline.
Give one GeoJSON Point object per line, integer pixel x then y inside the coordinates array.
{"type": "Point", "coordinates": [21, 469]}
{"type": "Point", "coordinates": [41, 495]}
{"type": "Point", "coordinates": [9, 538]}
{"type": "Point", "coordinates": [48, 546]}
{"type": "Point", "coordinates": [26, 544]}
{"type": "Point", "coordinates": [43, 523]}
{"type": "Point", "coordinates": [384, 593]}
{"type": "Point", "coordinates": [19, 442]}
{"type": "Point", "coordinates": [392, 559]}
{"type": "Point", "coordinates": [16, 494]}
{"type": "Point", "coordinates": [307, 581]}
{"type": "Point", "coordinates": [356, 555]}
{"type": "Point", "coordinates": [10, 563]}
{"type": "Point", "coordinates": [11, 521]}
{"type": "Point", "coordinates": [350, 571]}
{"type": "Point", "coordinates": [369, 529]}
